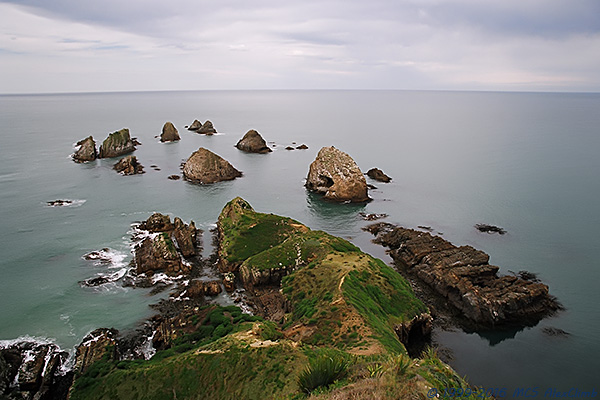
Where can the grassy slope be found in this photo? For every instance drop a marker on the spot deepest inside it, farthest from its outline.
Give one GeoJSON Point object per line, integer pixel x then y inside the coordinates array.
{"type": "Point", "coordinates": [344, 301]}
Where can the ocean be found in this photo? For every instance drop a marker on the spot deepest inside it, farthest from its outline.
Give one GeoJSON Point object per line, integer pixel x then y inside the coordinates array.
{"type": "Point", "coordinates": [527, 162]}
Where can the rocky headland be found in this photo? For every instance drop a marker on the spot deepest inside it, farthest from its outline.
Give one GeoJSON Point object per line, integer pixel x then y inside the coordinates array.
{"type": "Point", "coordinates": [335, 175]}
{"type": "Point", "coordinates": [204, 166]}
{"type": "Point", "coordinates": [463, 276]}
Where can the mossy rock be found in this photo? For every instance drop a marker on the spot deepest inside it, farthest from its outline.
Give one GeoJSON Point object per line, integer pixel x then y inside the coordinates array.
{"type": "Point", "coordinates": [116, 144]}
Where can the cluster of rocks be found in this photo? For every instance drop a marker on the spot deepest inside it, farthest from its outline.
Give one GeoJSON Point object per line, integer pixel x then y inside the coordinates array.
{"type": "Point", "coordinates": [463, 276]}
{"type": "Point", "coordinates": [129, 165]}
{"type": "Point", "coordinates": [206, 128]}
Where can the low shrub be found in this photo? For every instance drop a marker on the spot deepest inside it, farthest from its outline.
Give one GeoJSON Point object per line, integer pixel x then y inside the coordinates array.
{"type": "Point", "coordinates": [322, 372]}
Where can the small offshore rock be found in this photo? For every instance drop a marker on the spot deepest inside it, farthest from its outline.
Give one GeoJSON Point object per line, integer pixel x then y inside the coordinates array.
{"type": "Point", "coordinates": [378, 175]}
{"type": "Point", "coordinates": [59, 203]}
{"type": "Point", "coordinates": [372, 217]}
{"type": "Point", "coordinates": [207, 128]}
{"type": "Point", "coordinates": [204, 166]}
{"type": "Point", "coordinates": [116, 144]}
{"type": "Point", "coordinates": [253, 142]}
{"type": "Point", "coordinates": [174, 177]}
{"type": "Point", "coordinates": [335, 175]}
{"type": "Point", "coordinates": [289, 148]}
{"type": "Point", "coordinates": [169, 133]}
{"type": "Point", "coordinates": [485, 228]}
{"type": "Point", "coordinates": [87, 150]}
{"type": "Point", "coordinates": [195, 125]}
{"type": "Point", "coordinates": [129, 166]}
{"type": "Point", "coordinates": [302, 147]}
{"type": "Point", "coordinates": [551, 331]}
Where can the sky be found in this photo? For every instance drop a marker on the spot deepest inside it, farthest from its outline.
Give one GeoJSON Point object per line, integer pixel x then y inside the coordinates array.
{"type": "Point", "coordinates": [49, 46]}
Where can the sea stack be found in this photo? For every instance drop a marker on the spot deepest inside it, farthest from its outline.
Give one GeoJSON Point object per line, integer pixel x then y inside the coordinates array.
{"type": "Point", "coordinates": [252, 142]}
{"type": "Point", "coordinates": [86, 151]}
{"type": "Point", "coordinates": [204, 166]}
{"type": "Point", "coordinates": [117, 144]}
{"type": "Point", "coordinates": [169, 133]}
{"type": "Point", "coordinates": [335, 175]}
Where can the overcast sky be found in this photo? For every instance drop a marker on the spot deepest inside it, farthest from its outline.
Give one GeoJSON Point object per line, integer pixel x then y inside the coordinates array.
{"type": "Point", "coordinates": [120, 45]}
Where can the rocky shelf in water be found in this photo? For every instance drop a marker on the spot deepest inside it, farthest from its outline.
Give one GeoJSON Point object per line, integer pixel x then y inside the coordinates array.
{"type": "Point", "coordinates": [463, 276]}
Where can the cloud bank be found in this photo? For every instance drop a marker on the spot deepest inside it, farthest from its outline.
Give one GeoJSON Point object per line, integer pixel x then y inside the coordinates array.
{"type": "Point", "coordinates": [70, 45]}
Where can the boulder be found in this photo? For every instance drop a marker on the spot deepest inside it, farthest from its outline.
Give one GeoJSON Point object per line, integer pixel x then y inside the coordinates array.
{"type": "Point", "coordinates": [129, 165]}
{"type": "Point", "coordinates": [335, 175]}
{"type": "Point", "coordinates": [169, 133]}
{"type": "Point", "coordinates": [158, 254]}
{"type": "Point", "coordinates": [252, 142]}
{"type": "Point", "coordinates": [464, 277]}
{"type": "Point", "coordinates": [87, 150]}
{"type": "Point", "coordinates": [195, 125]}
{"type": "Point", "coordinates": [378, 175]}
{"type": "Point", "coordinates": [198, 289]}
{"type": "Point", "coordinates": [116, 144]}
{"type": "Point", "coordinates": [204, 166]}
{"type": "Point", "coordinates": [229, 281]}
{"type": "Point", "coordinates": [207, 128]}
{"type": "Point", "coordinates": [185, 235]}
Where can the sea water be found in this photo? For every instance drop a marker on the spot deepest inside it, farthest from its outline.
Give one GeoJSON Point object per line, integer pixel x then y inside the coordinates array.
{"type": "Point", "coordinates": [527, 162]}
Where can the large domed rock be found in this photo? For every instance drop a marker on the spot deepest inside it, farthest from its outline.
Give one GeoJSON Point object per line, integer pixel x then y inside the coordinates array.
{"type": "Point", "coordinates": [252, 142]}
{"type": "Point", "coordinates": [169, 133]}
{"type": "Point", "coordinates": [86, 151]}
{"type": "Point", "coordinates": [204, 166]}
{"type": "Point", "coordinates": [116, 144]}
{"type": "Point", "coordinates": [335, 175]}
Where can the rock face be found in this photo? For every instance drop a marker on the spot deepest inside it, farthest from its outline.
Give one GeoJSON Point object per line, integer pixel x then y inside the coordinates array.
{"type": "Point", "coordinates": [29, 370]}
{"type": "Point", "coordinates": [129, 166]}
{"type": "Point", "coordinates": [94, 347]}
{"type": "Point", "coordinates": [186, 236]}
{"type": "Point", "coordinates": [204, 288]}
{"type": "Point", "coordinates": [204, 166]}
{"type": "Point", "coordinates": [463, 276]}
{"type": "Point", "coordinates": [378, 175]}
{"type": "Point", "coordinates": [169, 133]}
{"type": "Point", "coordinates": [116, 144]}
{"type": "Point", "coordinates": [335, 175]}
{"type": "Point", "coordinates": [252, 142]}
{"type": "Point", "coordinates": [86, 151]}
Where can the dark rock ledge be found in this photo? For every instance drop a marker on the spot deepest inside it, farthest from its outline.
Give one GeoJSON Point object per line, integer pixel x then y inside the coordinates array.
{"type": "Point", "coordinates": [463, 276]}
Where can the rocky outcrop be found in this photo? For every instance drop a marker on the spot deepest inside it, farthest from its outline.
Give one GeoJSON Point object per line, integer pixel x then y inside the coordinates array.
{"type": "Point", "coordinates": [116, 144]}
{"type": "Point", "coordinates": [87, 150]}
{"type": "Point", "coordinates": [158, 254]}
{"type": "Point", "coordinates": [335, 175]}
{"type": "Point", "coordinates": [93, 347]}
{"type": "Point", "coordinates": [204, 166]}
{"type": "Point", "coordinates": [30, 370]}
{"type": "Point", "coordinates": [378, 175]}
{"type": "Point", "coordinates": [206, 128]}
{"type": "Point", "coordinates": [169, 133]}
{"type": "Point", "coordinates": [129, 165]}
{"type": "Point", "coordinates": [465, 278]}
{"type": "Point", "coordinates": [251, 276]}
{"type": "Point", "coordinates": [185, 236]}
{"type": "Point", "coordinates": [157, 222]}
{"type": "Point", "coordinates": [195, 125]}
{"type": "Point", "coordinates": [416, 333]}
{"type": "Point", "coordinates": [198, 289]}
{"type": "Point", "coordinates": [252, 142]}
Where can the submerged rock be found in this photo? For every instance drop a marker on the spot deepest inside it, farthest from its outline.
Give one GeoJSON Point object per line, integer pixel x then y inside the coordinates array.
{"type": "Point", "coordinates": [253, 142]}
{"type": "Point", "coordinates": [378, 175]}
{"type": "Point", "coordinates": [129, 166]}
{"type": "Point", "coordinates": [463, 276]}
{"type": "Point", "coordinates": [87, 150]}
{"type": "Point", "coordinates": [59, 203]}
{"type": "Point", "coordinates": [485, 228]}
{"type": "Point", "coordinates": [335, 175]}
{"type": "Point", "coordinates": [204, 166]}
{"type": "Point", "coordinates": [116, 144]}
{"type": "Point", "coordinates": [169, 133]}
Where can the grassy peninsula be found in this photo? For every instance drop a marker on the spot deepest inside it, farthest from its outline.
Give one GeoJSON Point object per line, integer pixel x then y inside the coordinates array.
{"type": "Point", "coordinates": [338, 337]}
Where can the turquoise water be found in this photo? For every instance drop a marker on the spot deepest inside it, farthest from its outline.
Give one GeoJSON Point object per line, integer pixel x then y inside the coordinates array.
{"type": "Point", "coordinates": [524, 161]}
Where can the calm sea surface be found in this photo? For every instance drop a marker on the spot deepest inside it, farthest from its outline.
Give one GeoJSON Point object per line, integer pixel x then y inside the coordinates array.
{"type": "Point", "coordinates": [524, 161]}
